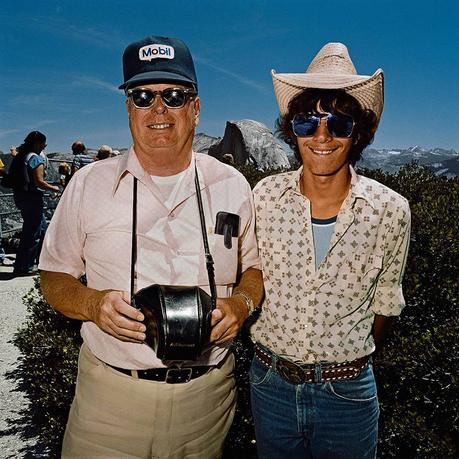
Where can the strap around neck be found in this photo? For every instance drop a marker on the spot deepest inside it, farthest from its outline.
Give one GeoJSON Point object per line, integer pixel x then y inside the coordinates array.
{"type": "Point", "coordinates": [208, 255]}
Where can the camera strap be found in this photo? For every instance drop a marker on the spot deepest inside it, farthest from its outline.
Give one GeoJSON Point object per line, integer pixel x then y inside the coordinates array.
{"type": "Point", "coordinates": [208, 255]}
{"type": "Point", "coordinates": [134, 238]}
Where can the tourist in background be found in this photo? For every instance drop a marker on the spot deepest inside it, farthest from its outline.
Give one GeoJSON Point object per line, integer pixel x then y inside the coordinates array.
{"type": "Point", "coordinates": [81, 157]}
{"type": "Point", "coordinates": [2, 251]}
{"type": "Point", "coordinates": [65, 174]}
{"type": "Point", "coordinates": [104, 152]}
{"type": "Point", "coordinates": [2, 168]}
{"type": "Point", "coordinates": [28, 191]}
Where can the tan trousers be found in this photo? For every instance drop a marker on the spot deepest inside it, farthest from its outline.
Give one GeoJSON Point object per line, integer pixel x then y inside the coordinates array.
{"type": "Point", "coordinates": [116, 416]}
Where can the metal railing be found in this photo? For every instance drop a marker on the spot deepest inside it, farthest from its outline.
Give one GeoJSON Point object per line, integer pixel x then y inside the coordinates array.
{"type": "Point", "coordinates": [3, 215]}
{"type": "Point", "coordinates": [48, 210]}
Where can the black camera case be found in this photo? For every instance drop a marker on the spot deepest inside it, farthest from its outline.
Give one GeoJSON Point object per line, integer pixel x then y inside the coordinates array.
{"type": "Point", "coordinates": [177, 320]}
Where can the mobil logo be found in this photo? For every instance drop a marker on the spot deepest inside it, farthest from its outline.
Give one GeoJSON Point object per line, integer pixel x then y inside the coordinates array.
{"type": "Point", "coordinates": [155, 51]}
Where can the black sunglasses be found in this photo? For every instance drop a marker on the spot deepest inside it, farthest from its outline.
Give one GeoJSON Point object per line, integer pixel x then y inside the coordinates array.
{"type": "Point", "coordinates": [337, 125]}
{"type": "Point", "coordinates": [171, 97]}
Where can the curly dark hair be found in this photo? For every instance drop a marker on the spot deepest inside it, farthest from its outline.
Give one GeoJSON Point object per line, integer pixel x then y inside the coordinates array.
{"type": "Point", "coordinates": [333, 101]}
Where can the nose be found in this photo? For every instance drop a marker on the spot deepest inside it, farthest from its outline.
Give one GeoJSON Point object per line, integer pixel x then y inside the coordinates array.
{"type": "Point", "coordinates": [158, 105]}
{"type": "Point", "coordinates": [322, 134]}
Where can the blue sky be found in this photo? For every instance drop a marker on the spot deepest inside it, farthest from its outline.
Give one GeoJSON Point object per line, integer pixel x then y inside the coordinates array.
{"type": "Point", "coordinates": [60, 62]}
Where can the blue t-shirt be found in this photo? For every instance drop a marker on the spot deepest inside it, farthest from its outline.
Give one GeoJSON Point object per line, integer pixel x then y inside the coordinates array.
{"type": "Point", "coordinates": [33, 162]}
{"type": "Point", "coordinates": [322, 231]}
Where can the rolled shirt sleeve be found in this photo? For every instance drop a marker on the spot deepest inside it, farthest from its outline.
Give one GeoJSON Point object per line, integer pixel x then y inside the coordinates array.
{"type": "Point", "coordinates": [388, 298]}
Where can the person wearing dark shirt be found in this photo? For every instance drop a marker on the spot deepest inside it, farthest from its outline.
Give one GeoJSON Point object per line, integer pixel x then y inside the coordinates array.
{"type": "Point", "coordinates": [29, 200]}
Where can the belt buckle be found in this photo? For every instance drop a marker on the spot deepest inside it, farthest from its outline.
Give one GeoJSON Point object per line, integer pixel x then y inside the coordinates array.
{"type": "Point", "coordinates": [174, 375]}
{"type": "Point", "coordinates": [290, 371]}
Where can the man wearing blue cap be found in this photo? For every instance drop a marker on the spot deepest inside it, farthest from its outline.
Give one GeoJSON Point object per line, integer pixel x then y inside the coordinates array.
{"type": "Point", "coordinates": [129, 403]}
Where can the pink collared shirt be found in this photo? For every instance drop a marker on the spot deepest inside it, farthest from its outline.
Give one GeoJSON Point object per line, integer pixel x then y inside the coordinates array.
{"type": "Point", "coordinates": [90, 233]}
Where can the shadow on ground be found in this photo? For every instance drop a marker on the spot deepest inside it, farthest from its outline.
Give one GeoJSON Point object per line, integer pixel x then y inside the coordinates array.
{"type": "Point", "coordinates": [23, 425]}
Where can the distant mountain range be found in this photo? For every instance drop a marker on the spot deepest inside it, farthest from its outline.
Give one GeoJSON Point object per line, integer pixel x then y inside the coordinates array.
{"type": "Point", "coordinates": [252, 142]}
{"type": "Point", "coordinates": [441, 161]}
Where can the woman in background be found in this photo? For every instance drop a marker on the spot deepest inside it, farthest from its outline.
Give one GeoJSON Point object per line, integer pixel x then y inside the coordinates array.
{"type": "Point", "coordinates": [28, 197]}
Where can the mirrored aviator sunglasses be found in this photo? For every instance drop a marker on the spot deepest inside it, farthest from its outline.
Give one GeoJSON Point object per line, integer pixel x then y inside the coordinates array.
{"type": "Point", "coordinates": [337, 125]}
{"type": "Point", "coordinates": [171, 97]}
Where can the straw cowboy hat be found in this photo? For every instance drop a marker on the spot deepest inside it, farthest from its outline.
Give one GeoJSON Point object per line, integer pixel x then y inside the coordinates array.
{"type": "Point", "coordinates": [332, 68]}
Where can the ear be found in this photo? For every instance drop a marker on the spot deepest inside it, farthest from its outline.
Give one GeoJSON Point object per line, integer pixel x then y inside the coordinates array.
{"type": "Point", "coordinates": [197, 110]}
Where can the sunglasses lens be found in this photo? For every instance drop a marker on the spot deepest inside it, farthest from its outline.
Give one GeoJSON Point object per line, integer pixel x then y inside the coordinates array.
{"type": "Point", "coordinates": [171, 97]}
{"type": "Point", "coordinates": [340, 125]}
{"type": "Point", "coordinates": [305, 125]}
{"type": "Point", "coordinates": [174, 97]}
{"type": "Point", "coordinates": [142, 98]}
{"type": "Point", "coordinates": [337, 125]}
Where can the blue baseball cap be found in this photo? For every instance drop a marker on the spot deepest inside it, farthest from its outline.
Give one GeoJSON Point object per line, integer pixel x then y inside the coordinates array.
{"type": "Point", "coordinates": [158, 60]}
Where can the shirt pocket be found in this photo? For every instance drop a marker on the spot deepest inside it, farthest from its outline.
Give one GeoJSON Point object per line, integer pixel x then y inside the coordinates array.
{"type": "Point", "coordinates": [225, 260]}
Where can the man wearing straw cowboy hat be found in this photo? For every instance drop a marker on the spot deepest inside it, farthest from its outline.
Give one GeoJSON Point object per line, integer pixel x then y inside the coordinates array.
{"type": "Point", "coordinates": [333, 246]}
{"type": "Point", "coordinates": [128, 402]}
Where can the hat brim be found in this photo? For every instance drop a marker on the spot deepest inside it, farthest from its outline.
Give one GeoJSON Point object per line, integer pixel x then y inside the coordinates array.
{"type": "Point", "coordinates": [157, 77]}
{"type": "Point", "coordinates": [368, 90]}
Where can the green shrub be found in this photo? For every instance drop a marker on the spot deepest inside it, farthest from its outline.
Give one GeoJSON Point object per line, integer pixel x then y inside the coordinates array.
{"type": "Point", "coordinates": [49, 344]}
{"type": "Point", "coordinates": [416, 370]}
{"type": "Point", "coordinates": [418, 387]}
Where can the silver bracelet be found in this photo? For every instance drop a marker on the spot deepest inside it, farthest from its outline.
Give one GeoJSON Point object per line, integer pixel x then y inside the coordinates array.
{"type": "Point", "coordinates": [248, 300]}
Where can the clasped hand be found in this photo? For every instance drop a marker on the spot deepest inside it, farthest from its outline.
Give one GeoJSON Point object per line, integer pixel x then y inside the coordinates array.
{"type": "Point", "coordinates": [114, 314]}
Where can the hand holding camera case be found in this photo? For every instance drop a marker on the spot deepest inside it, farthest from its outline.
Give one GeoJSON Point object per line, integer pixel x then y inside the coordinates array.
{"type": "Point", "coordinates": [177, 320]}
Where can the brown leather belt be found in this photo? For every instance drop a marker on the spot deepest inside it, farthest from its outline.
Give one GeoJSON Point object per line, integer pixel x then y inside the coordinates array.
{"type": "Point", "coordinates": [310, 373]}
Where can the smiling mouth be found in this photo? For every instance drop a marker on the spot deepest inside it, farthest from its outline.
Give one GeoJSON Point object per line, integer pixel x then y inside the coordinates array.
{"type": "Point", "coordinates": [322, 152]}
{"type": "Point", "coordinates": [160, 126]}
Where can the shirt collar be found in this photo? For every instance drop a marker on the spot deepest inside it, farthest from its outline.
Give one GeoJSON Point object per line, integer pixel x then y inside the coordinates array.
{"type": "Point", "coordinates": [357, 190]}
{"type": "Point", "coordinates": [129, 163]}
{"type": "Point", "coordinates": [293, 184]}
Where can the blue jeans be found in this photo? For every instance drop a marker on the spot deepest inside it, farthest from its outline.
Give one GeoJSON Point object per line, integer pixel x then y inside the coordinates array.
{"type": "Point", "coordinates": [33, 229]}
{"type": "Point", "coordinates": [331, 420]}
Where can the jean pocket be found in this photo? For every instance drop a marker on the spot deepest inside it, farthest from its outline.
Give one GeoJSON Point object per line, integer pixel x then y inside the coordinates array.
{"type": "Point", "coordinates": [259, 373]}
{"type": "Point", "coordinates": [361, 389]}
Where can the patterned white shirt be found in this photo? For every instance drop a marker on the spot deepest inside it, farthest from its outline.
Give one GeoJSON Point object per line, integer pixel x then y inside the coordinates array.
{"type": "Point", "coordinates": [326, 314]}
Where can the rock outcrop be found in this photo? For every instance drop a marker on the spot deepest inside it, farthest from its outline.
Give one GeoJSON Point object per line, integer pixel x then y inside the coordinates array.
{"type": "Point", "coordinates": [251, 142]}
